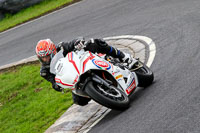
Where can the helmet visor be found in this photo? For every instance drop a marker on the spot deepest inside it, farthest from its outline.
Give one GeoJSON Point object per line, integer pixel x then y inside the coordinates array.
{"type": "Point", "coordinates": [45, 60]}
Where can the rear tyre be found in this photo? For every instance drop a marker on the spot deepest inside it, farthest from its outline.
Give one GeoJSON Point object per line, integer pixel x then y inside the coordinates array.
{"type": "Point", "coordinates": [111, 97]}
{"type": "Point", "coordinates": [145, 76]}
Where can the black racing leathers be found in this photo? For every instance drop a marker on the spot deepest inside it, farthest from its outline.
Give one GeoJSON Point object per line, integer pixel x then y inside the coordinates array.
{"type": "Point", "coordinates": [95, 46]}
{"type": "Point", "coordinates": [45, 73]}
{"type": "Point", "coordinates": [99, 46]}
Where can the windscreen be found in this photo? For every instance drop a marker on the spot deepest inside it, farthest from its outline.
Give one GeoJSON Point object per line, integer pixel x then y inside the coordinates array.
{"type": "Point", "coordinates": [54, 61]}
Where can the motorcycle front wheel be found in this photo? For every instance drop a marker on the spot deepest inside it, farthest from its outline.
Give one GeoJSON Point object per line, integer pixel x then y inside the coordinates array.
{"type": "Point", "coordinates": [145, 75]}
{"type": "Point", "coordinates": [111, 97]}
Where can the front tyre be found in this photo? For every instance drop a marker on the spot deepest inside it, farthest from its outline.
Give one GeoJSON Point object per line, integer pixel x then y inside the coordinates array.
{"type": "Point", "coordinates": [145, 75]}
{"type": "Point", "coordinates": [111, 97]}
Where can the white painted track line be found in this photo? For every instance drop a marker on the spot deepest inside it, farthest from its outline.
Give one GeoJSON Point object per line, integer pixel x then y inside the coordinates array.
{"type": "Point", "coordinates": [152, 54]}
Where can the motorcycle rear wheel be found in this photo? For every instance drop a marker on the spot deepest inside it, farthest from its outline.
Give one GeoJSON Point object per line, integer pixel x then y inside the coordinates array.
{"type": "Point", "coordinates": [111, 97]}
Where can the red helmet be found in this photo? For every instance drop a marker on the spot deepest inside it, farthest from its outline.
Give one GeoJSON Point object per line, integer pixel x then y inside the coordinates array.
{"type": "Point", "coordinates": [45, 50]}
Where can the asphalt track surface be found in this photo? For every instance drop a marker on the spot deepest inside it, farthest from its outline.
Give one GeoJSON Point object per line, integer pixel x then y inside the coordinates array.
{"type": "Point", "coordinates": [172, 103]}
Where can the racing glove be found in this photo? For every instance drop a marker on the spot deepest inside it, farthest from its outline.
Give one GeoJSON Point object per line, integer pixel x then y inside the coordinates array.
{"type": "Point", "coordinates": [79, 44]}
{"type": "Point", "coordinates": [56, 87]}
{"type": "Point", "coordinates": [99, 42]}
{"type": "Point", "coordinates": [59, 46]}
{"type": "Point", "coordinates": [129, 60]}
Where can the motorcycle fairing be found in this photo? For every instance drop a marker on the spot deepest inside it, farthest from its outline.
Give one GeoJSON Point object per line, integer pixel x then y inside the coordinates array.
{"type": "Point", "coordinates": [75, 64]}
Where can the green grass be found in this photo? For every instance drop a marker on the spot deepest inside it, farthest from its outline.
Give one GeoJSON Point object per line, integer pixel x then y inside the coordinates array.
{"type": "Point", "coordinates": [27, 101]}
{"type": "Point", "coordinates": [32, 12]}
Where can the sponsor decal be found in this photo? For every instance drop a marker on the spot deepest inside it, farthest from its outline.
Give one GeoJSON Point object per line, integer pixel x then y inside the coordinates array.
{"type": "Point", "coordinates": [101, 64]}
{"type": "Point", "coordinates": [100, 54]}
{"type": "Point", "coordinates": [59, 68]}
{"type": "Point", "coordinates": [131, 87]}
{"type": "Point", "coordinates": [119, 76]}
{"type": "Point", "coordinates": [119, 80]}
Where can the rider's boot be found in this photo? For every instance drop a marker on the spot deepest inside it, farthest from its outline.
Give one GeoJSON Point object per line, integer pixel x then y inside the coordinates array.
{"type": "Point", "coordinates": [128, 60]}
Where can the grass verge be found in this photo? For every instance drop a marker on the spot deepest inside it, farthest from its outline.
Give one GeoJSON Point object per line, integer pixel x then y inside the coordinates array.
{"type": "Point", "coordinates": [27, 101]}
{"type": "Point", "coordinates": [32, 12]}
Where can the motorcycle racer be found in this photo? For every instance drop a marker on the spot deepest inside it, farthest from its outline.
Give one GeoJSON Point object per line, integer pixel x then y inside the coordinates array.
{"type": "Point", "coordinates": [46, 49]}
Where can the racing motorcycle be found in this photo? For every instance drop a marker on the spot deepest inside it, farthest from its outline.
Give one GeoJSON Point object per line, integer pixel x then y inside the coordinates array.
{"type": "Point", "coordinates": [100, 77]}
